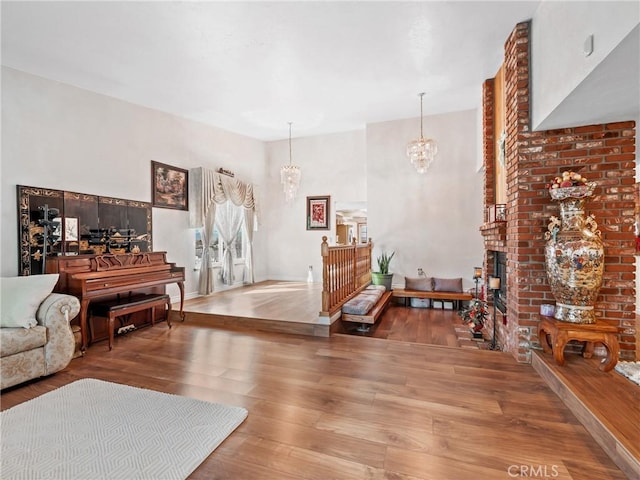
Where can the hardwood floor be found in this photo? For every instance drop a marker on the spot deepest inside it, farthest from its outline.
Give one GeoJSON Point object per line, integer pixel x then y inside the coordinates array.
{"type": "Point", "coordinates": [270, 300]}
{"type": "Point", "coordinates": [351, 407]}
{"type": "Point", "coordinates": [292, 307]}
{"type": "Point", "coordinates": [275, 306]}
{"type": "Point", "coordinates": [606, 403]}
{"type": "Point", "coordinates": [419, 325]}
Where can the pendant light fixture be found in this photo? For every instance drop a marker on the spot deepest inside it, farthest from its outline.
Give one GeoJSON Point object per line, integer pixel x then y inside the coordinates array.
{"type": "Point", "coordinates": [290, 175]}
{"type": "Point", "coordinates": [422, 151]}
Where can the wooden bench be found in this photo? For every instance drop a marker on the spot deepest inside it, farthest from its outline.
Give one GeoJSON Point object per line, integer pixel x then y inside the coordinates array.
{"type": "Point", "coordinates": [125, 306]}
{"type": "Point", "coordinates": [372, 315]}
{"type": "Point", "coordinates": [456, 297]}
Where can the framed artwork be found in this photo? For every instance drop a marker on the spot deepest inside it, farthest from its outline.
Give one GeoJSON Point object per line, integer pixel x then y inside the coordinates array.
{"type": "Point", "coordinates": [169, 186]}
{"type": "Point", "coordinates": [318, 213]}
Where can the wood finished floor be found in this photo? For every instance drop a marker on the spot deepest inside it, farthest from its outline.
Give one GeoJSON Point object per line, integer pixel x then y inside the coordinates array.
{"type": "Point", "coordinates": [350, 407]}
{"type": "Point", "coordinates": [293, 307]}
{"type": "Point", "coordinates": [270, 300]}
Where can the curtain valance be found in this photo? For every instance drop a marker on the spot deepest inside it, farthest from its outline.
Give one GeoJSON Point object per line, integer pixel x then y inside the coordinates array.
{"type": "Point", "coordinates": [207, 187]}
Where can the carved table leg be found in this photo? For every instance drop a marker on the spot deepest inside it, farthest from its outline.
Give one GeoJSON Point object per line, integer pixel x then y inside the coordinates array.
{"type": "Point", "coordinates": [544, 340]}
{"type": "Point", "coordinates": [613, 350]}
{"type": "Point", "coordinates": [559, 342]}
{"type": "Point", "coordinates": [587, 349]}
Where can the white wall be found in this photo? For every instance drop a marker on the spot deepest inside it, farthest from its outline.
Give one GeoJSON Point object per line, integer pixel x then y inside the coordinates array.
{"type": "Point", "coordinates": [558, 62]}
{"type": "Point", "coordinates": [432, 220]}
{"type": "Point", "coordinates": [333, 165]}
{"type": "Point", "coordinates": [61, 137]}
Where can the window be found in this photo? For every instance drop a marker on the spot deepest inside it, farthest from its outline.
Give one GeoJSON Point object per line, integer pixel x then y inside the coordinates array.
{"type": "Point", "coordinates": [216, 247]}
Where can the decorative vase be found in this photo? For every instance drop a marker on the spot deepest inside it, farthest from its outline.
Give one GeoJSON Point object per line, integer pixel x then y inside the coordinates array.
{"type": "Point", "coordinates": [574, 256]}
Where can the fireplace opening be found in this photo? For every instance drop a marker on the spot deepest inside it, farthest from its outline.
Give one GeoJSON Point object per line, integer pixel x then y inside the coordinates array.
{"type": "Point", "coordinates": [499, 260]}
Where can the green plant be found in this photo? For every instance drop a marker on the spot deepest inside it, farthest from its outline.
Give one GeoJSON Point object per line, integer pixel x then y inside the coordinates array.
{"type": "Point", "coordinates": [383, 262]}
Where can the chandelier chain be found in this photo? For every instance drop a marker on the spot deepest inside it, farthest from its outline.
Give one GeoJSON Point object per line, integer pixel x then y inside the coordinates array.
{"type": "Point", "coordinates": [290, 154]}
{"type": "Point", "coordinates": [421, 115]}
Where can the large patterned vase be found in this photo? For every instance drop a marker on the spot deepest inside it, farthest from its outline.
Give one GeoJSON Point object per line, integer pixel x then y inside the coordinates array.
{"type": "Point", "coordinates": [574, 256]}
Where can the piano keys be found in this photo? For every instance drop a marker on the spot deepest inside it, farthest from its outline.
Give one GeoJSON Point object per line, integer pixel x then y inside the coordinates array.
{"type": "Point", "coordinates": [91, 277]}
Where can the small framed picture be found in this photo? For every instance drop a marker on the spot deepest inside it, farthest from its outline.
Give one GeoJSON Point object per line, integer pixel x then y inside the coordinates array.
{"type": "Point", "coordinates": [169, 186]}
{"type": "Point", "coordinates": [318, 213]}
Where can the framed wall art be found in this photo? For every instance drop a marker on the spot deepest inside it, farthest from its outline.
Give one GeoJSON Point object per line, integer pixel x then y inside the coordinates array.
{"type": "Point", "coordinates": [318, 213]}
{"type": "Point", "coordinates": [169, 186]}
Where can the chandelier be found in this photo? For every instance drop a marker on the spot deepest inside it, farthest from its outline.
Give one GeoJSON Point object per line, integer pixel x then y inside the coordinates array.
{"type": "Point", "coordinates": [290, 175]}
{"type": "Point", "coordinates": [422, 151]}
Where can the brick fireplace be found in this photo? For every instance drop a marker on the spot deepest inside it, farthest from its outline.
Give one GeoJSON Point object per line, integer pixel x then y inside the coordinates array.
{"type": "Point", "coordinates": [605, 154]}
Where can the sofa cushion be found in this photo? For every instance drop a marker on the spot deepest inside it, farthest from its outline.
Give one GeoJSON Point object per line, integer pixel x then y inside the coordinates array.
{"type": "Point", "coordinates": [22, 366]}
{"type": "Point", "coordinates": [20, 298]}
{"type": "Point", "coordinates": [16, 340]}
{"type": "Point", "coordinates": [421, 284]}
{"type": "Point", "coordinates": [447, 284]}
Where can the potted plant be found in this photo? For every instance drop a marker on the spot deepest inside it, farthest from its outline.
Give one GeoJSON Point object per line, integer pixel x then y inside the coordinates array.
{"type": "Point", "coordinates": [382, 276]}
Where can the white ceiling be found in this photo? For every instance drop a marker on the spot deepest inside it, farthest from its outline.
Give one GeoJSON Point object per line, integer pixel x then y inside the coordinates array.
{"type": "Point", "coordinates": [251, 67]}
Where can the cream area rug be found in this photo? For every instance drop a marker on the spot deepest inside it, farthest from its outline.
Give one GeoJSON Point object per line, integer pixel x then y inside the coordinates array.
{"type": "Point", "coordinates": [631, 370]}
{"type": "Point", "coordinates": [91, 429]}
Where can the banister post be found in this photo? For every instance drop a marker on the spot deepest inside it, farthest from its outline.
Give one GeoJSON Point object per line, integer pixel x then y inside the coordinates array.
{"type": "Point", "coordinates": [354, 265]}
{"type": "Point", "coordinates": [324, 251]}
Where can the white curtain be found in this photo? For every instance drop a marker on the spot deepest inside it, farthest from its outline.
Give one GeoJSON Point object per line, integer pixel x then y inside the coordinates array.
{"type": "Point", "coordinates": [206, 190]}
{"type": "Point", "coordinates": [229, 219]}
{"type": "Point", "coordinates": [205, 282]}
{"type": "Point", "coordinates": [249, 226]}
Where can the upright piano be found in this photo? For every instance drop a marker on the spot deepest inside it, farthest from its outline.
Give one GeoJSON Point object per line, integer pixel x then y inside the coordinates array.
{"type": "Point", "coordinates": [91, 277]}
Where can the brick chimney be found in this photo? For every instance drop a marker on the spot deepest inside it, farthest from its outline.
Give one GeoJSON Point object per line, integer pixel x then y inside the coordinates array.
{"type": "Point", "coordinates": [605, 154]}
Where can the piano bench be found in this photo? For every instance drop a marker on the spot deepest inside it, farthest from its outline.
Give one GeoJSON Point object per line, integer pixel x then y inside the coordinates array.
{"type": "Point", "coordinates": [125, 306]}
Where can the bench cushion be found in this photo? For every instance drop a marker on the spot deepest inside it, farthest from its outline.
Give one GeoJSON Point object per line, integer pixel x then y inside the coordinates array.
{"type": "Point", "coordinates": [364, 301]}
{"type": "Point", "coordinates": [358, 305]}
{"type": "Point", "coordinates": [422, 284]}
{"type": "Point", "coordinates": [447, 284]}
{"type": "Point", "coordinates": [102, 309]}
{"type": "Point", "coordinates": [380, 288]}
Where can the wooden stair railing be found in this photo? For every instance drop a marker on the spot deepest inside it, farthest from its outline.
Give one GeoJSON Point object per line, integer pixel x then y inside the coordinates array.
{"type": "Point", "coordinates": [346, 271]}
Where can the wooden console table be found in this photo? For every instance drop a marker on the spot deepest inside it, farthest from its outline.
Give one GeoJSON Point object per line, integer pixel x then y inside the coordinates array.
{"type": "Point", "coordinates": [563, 332]}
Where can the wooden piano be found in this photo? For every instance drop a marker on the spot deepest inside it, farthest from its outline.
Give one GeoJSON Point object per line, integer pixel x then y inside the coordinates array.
{"type": "Point", "coordinates": [91, 277]}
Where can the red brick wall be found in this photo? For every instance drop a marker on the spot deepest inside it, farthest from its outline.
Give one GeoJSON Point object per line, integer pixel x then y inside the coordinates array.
{"type": "Point", "coordinates": [604, 154]}
{"type": "Point", "coordinates": [488, 141]}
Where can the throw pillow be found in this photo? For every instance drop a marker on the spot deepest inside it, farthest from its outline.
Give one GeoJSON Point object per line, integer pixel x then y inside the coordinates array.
{"type": "Point", "coordinates": [447, 284]}
{"type": "Point", "coordinates": [20, 298]}
{"type": "Point", "coordinates": [421, 284]}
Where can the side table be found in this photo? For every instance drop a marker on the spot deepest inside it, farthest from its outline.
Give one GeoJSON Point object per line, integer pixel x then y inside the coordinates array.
{"type": "Point", "coordinates": [563, 332]}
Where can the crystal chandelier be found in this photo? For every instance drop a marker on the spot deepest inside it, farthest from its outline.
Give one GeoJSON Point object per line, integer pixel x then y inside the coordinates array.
{"type": "Point", "coordinates": [422, 151]}
{"type": "Point", "coordinates": [290, 176]}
